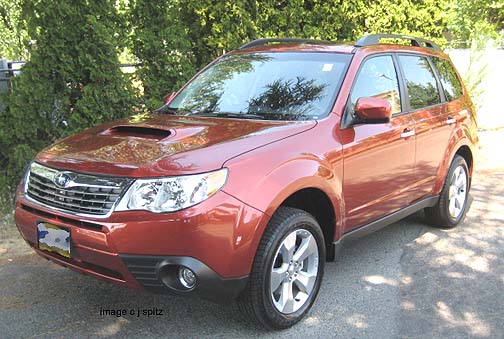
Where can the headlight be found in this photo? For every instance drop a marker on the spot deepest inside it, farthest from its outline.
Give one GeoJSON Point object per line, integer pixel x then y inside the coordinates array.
{"type": "Point", "coordinates": [172, 194]}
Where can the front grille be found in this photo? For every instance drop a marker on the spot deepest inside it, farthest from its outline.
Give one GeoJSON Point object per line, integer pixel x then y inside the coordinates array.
{"type": "Point", "coordinates": [81, 193]}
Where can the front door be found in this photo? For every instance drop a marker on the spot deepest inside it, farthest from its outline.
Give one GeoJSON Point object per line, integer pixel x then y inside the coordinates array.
{"type": "Point", "coordinates": [379, 159]}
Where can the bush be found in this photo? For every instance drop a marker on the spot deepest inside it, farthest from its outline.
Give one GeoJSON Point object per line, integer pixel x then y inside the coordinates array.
{"type": "Point", "coordinates": [173, 39]}
{"type": "Point", "coordinates": [162, 46]}
{"type": "Point", "coordinates": [72, 80]}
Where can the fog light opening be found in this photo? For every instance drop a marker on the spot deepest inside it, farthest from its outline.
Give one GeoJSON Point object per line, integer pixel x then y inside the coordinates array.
{"type": "Point", "coordinates": [187, 277]}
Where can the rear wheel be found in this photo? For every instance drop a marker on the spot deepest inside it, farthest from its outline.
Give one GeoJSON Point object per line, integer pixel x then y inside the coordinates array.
{"type": "Point", "coordinates": [452, 205]}
{"type": "Point", "coordinates": [287, 270]}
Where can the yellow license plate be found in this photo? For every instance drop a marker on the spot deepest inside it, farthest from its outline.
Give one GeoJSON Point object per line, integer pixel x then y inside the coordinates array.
{"type": "Point", "coordinates": [53, 238]}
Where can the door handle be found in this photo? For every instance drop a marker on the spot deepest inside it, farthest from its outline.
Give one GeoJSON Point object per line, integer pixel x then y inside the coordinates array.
{"type": "Point", "coordinates": [407, 133]}
{"type": "Point", "coordinates": [450, 120]}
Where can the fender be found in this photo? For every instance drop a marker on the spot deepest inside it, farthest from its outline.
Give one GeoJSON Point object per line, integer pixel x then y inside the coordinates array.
{"type": "Point", "coordinates": [266, 191]}
{"type": "Point", "coordinates": [460, 137]}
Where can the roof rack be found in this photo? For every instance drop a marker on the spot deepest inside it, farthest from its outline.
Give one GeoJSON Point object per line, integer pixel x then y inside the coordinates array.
{"type": "Point", "coordinates": [374, 39]}
{"type": "Point", "coordinates": [265, 41]}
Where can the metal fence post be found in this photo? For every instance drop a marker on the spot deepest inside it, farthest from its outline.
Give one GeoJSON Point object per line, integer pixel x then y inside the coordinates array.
{"type": "Point", "coordinates": [4, 81]}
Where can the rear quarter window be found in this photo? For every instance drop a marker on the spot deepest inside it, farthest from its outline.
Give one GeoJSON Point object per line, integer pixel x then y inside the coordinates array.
{"type": "Point", "coordinates": [448, 77]}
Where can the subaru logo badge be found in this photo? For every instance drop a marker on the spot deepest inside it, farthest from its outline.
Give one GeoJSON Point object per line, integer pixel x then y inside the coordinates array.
{"type": "Point", "coordinates": [62, 180]}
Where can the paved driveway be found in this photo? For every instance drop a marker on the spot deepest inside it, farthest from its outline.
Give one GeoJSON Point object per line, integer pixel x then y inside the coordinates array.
{"type": "Point", "coordinates": [406, 281]}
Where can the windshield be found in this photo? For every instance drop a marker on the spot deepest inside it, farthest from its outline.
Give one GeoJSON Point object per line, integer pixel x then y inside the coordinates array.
{"type": "Point", "coordinates": [273, 86]}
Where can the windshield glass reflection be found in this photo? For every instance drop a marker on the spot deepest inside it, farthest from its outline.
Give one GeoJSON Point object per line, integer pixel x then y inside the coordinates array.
{"type": "Point", "coordinates": [273, 86]}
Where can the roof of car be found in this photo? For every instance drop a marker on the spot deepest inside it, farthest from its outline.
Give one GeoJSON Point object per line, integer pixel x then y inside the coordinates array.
{"type": "Point", "coordinates": [299, 47]}
{"type": "Point", "coordinates": [370, 43]}
{"type": "Point", "coordinates": [344, 49]}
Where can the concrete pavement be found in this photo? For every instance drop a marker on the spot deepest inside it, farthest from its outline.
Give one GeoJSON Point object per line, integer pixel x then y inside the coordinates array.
{"type": "Point", "coordinates": [405, 281]}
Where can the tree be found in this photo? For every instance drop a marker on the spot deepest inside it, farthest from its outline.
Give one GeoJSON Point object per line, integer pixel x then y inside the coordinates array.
{"type": "Point", "coordinates": [160, 42]}
{"type": "Point", "coordinates": [172, 39]}
{"type": "Point", "coordinates": [349, 20]}
{"type": "Point", "coordinates": [72, 80]}
{"type": "Point", "coordinates": [217, 26]}
{"type": "Point", "coordinates": [471, 20]}
{"type": "Point", "coordinates": [12, 31]}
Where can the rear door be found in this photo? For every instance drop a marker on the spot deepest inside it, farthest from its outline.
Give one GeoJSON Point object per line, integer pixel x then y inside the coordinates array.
{"type": "Point", "coordinates": [378, 158]}
{"type": "Point", "coordinates": [434, 124]}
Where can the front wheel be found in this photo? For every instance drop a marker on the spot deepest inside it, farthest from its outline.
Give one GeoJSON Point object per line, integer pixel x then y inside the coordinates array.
{"type": "Point", "coordinates": [452, 205]}
{"type": "Point", "coordinates": [287, 270]}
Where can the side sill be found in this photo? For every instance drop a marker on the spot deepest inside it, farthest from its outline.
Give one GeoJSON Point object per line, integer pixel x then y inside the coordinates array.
{"type": "Point", "coordinates": [383, 222]}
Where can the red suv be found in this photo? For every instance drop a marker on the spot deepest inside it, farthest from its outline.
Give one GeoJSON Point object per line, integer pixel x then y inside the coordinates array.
{"type": "Point", "coordinates": [257, 171]}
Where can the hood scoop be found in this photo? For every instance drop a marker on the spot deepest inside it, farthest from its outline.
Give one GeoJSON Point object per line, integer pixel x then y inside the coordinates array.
{"type": "Point", "coordinates": [144, 132]}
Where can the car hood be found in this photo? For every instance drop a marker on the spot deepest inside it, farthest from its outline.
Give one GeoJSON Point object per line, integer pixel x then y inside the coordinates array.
{"type": "Point", "coordinates": [158, 145]}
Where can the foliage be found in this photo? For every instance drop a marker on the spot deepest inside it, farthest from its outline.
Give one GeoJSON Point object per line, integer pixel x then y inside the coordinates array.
{"type": "Point", "coordinates": [172, 39]}
{"type": "Point", "coordinates": [161, 43]}
{"type": "Point", "coordinates": [215, 27]}
{"type": "Point", "coordinates": [72, 80]}
{"type": "Point", "coordinates": [349, 20]}
{"type": "Point", "coordinates": [471, 20]}
{"type": "Point", "coordinates": [419, 18]}
{"type": "Point", "coordinates": [12, 31]}
{"type": "Point", "coordinates": [476, 73]}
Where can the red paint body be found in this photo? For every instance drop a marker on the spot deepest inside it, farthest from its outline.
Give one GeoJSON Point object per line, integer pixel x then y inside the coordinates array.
{"type": "Point", "coordinates": [367, 171]}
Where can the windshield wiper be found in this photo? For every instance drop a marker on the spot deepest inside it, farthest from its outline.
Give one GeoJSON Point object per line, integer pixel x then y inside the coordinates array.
{"type": "Point", "coordinates": [164, 110]}
{"type": "Point", "coordinates": [231, 115]}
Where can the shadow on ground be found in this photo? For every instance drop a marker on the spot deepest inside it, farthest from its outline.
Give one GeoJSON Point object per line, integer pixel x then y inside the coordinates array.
{"type": "Point", "coordinates": [452, 280]}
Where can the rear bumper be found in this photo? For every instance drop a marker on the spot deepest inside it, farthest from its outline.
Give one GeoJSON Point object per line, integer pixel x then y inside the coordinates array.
{"type": "Point", "coordinates": [216, 239]}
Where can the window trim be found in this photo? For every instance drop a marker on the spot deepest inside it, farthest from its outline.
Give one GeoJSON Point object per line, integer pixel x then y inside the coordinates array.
{"type": "Point", "coordinates": [344, 121]}
{"type": "Point", "coordinates": [441, 91]}
{"type": "Point", "coordinates": [402, 85]}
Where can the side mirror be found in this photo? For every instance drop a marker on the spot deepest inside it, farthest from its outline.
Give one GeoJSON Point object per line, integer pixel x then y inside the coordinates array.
{"type": "Point", "coordinates": [168, 98]}
{"type": "Point", "coordinates": [373, 110]}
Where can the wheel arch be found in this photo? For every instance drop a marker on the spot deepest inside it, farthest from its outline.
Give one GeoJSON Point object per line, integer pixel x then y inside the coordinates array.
{"type": "Point", "coordinates": [318, 204]}
{"type": "Point", "coordinates": [462, 148]}
{"type": "Point", "coordinates": [465, 152]}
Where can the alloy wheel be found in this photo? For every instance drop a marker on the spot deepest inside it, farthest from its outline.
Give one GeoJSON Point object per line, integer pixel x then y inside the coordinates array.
{"type": "Point", "coordinates": [294, 271]}
{"type": "Point", "coordinates": [457, 192]}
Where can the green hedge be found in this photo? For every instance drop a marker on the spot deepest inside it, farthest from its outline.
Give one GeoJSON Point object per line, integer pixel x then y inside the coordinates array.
{"type": "Point", "coordinates": [173, 39]}
{"type": "Point", "coordinates": [72, 79]}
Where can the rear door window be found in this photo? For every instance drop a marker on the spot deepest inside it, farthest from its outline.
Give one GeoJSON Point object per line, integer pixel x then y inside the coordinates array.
{"type": "Point", "coordinates": [420, 81]}
{"type": "Point", "coordinates": [448, 77]}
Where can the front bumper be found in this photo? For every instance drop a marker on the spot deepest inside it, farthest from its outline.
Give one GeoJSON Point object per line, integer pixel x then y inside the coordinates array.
{"type": "Point", "coordinates": [137, 249]}
{"type": "Point", "coordinates": [159, 274]}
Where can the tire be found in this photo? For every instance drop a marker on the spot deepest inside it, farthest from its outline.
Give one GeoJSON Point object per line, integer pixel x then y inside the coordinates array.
{"type": "Point", "coordinates": [271, 263]}
{"type": "Point", "coordinates": [452, 205]}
